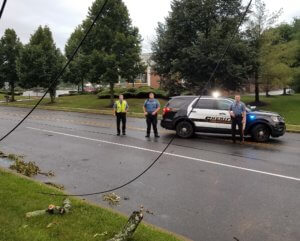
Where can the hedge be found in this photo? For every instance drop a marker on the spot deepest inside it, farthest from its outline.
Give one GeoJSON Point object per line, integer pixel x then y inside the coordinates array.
{"type": "Point", "coordinates": [142, 92]}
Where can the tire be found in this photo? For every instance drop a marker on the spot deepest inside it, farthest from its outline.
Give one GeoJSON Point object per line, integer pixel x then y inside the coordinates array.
{"type": "Point", "coordinates": [261, 133]}
{"type": "Point", "coordinates": [184, 129]}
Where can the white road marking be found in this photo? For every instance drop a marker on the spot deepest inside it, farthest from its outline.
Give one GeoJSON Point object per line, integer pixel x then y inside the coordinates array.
{"type": "Point", "coordinates": [170, 154]}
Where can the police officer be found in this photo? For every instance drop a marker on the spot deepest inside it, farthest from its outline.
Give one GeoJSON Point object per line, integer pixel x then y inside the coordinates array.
{"type": "Point", "coordinates": [238, 116]}
{"type": "Point", "coordinates": [120, 110]}
{"type": "Point", "coordinates": [151, 108]}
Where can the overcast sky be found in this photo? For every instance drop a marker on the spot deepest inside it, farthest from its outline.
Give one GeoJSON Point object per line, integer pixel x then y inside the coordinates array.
{"type": "Point", "coordinates": [62, 16]}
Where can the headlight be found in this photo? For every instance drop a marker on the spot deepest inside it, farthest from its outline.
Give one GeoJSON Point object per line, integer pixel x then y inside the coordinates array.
{"type": "Point", "coordinates": [275, 118]}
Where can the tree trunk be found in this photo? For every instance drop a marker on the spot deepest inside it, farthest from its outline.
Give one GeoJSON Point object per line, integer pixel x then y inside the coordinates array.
{"type": "Point", "coordinates": [82, 86]}
{"type": "Point", "coordinates": [267, 93]}
{"type": "Point", "coordinates": [112, 93]}
{"type": "Point", "coordinates": [284, 91]}
{"type": "Point", "coordinates": [78, 88]}
{"type": "Point", "coordinates": [256, 83]}
{"type": "Point", "coordinates": [129, 229]}
{"type": "Point", "coordinates": [12, 91]}
{"type": "Point", "coordinates": [52, 93]}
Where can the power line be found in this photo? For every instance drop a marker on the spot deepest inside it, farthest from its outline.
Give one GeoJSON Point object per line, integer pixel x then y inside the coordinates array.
{"type": "Point", "coordinates": [172, 139]}
{"type": "Point", "coordinates": [2, 8]}
{"type": "Point", "coordinates": [61, 72]}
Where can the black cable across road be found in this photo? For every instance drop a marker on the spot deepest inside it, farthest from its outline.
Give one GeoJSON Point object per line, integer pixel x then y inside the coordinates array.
{"type": "Point", "coordinates": [61, 72]}
{"type": "Point", "coordinates": [172, 139]}
{"type": "Point", "coordinates": [2, 8]}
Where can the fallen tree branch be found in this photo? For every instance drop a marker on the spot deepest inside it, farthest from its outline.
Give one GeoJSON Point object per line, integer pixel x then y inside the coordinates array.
{"type": "Point", "coordinates": [130, 227]}
{"type": "Point", "coordinates": [52, 209]}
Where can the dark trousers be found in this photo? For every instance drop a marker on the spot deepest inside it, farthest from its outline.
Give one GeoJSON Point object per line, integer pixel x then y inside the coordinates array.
{"type": "Point", "coordinates": [151, 120]}
{"type": "Point", "coordinates": [238, 120]}
{"type": "Point", "coordinates": [121, 117]}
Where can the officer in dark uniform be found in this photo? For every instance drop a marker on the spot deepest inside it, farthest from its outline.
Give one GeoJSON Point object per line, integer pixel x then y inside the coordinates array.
{"type": "Point", "coordinates": [151, 108]}
{"type": "Point", "coordinates": [238, 117]}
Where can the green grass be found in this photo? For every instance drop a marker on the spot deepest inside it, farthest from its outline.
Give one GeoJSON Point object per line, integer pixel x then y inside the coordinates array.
{"type": "Point", "coordinates": [287, 106]}
{"type": "Point", "coordinates": [19, 196]}
{"type": "Point", "coordinates": [90, 102]}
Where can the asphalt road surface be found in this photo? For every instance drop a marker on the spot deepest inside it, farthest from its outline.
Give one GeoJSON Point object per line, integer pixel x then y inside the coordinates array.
{"type": "Point", "coordinates": [205, 188]}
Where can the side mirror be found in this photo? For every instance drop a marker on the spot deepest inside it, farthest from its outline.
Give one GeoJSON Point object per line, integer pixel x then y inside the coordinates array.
{"type": "Point", "coordinates": [252, 107]}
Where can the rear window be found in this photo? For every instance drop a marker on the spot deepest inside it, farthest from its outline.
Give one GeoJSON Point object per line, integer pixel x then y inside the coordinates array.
{"type": "Point", "coordinates": [205, 104]}
{"type": "Point", "coordinates": [178, 103]}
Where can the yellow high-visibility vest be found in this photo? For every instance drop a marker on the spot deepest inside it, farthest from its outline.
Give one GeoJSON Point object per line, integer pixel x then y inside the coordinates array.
{"type": "Point", "coordinates": [121, 107]}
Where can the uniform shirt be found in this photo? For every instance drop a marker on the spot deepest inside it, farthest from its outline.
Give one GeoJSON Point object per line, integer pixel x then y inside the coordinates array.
{"type": "Point", "coordinates": [115, 105]}
{"type": "Point", "coordinates": [151, 105]}
{"type": "Point", "coordinates": [238, 108]}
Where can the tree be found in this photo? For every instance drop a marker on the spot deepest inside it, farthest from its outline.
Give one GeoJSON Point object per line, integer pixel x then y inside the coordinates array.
{"type": "Point", "coordinates": [10, 47]}
{"type": "Point", "coordinates": [113, 48]}
{"type": "Point", "coordinates": [78, 68]}
{"type": "Point", "coordinates": [296, 37]}
{"type": "Point", "coordinates": [40, 62]}
{"type": "Point", "coordinates": [278, 57]}
{"type": "Point", "coordinates": [193, 38]}
{"type": "Point", "coordinates": [259, 22]}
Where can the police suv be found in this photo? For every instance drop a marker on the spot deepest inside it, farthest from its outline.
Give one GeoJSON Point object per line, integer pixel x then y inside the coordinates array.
{"type": "Point", "coordinates": [189, 114]}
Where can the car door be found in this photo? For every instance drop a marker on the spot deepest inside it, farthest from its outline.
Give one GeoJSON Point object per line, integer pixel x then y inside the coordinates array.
{"type": "Point", "coordinates": [203, 113]}
{"type": "Point", "coordinates": [224, 120]}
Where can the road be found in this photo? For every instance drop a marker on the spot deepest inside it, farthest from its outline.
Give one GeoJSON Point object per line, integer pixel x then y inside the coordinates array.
{"type": "Point", "coordinates": [205, 188]}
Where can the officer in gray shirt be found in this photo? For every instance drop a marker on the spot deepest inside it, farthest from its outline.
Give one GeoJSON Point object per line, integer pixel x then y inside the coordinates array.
{"type": "Point", "coordinates": [151, 108]}
{"type": "Point", "coordinates": [238, 117]}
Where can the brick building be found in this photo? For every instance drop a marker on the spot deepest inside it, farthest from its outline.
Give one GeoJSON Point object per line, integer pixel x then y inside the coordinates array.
{"type": "Point", "coordinates": [149, 78]}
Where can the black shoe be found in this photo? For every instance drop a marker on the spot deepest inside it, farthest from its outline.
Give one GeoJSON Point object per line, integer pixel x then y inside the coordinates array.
{"type": "Point", "coordinates": [147, 136]}
{"type": "Point", "coordinates": [156, 136]}
{"type": "Point", "coordinates": [124, 134]}
{"type": "Point", "coordinates": [118, 134]}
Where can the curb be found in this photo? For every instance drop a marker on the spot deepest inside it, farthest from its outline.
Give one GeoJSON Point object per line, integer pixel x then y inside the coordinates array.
{"type": "Point", "coordinates": [109, 112]}
{"type": "Point", "coordinates": [290, 128]}
{"type": "Point", "coordinates": [88, 202]}
{"type": "Point", "coordinates": [78, 110]}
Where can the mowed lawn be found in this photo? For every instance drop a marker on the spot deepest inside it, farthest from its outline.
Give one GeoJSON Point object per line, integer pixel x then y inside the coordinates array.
{"type": "Point", "coordinates": [90, 102]}
{"type": "Point", "coordinates": [19, 196]}
{"type": "Point", "coordinates": [287, 106]}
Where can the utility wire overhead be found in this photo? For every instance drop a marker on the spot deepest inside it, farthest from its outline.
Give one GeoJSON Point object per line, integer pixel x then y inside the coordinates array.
{"type": "Point", "coordinates": [172, 139]}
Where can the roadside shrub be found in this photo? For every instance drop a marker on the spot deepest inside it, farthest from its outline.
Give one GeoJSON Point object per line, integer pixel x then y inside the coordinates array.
{"type": "Point", "coordinates": [141, 92]}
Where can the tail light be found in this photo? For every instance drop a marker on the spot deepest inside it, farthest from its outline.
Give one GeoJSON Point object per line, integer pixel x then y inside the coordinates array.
{"type": "Point", "coordinates": [166, 110]}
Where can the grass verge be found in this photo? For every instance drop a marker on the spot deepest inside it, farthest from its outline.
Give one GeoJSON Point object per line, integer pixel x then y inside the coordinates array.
{"type": "Point", "coordinates": [19, 195]}
{"type": "Point", "coordinates": [287, 106]}
{"type": "Point", "coordinates": [88, 102]}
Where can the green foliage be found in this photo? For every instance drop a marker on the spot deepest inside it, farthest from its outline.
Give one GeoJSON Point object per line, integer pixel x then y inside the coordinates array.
{"type": "Point", "coordinates": [190, 43]}
{"type": "Point", "coordinates": [40, 62]}
{"type": "Point", "coordinates": [111, 50]}
{"type": "Point", "coordinates": [78, 68]}
{"type": "Point", "coordinates": [10, 47]}
{"type": "Point", "coordinates": [142, 92]}
{"type": "Point", "coordinates": [259, 21]}
{"type": "Point", "coordinates": [279, 56]}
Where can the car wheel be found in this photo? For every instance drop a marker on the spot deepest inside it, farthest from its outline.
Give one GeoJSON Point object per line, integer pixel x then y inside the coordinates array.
{"type": "Point", "coordinates": [184, 129]}
{"type": "Point", "coordinates": [261, 133]}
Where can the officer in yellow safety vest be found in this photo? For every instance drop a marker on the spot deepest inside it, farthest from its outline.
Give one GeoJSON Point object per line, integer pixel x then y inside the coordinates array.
{"type": "Point", "coordinates": [120, 110]}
